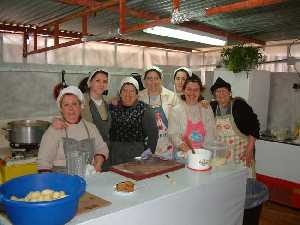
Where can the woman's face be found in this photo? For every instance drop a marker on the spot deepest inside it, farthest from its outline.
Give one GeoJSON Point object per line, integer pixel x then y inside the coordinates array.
{"type": "Point", "coordinates": [223, 96]}
{"type": "Point", "coordinates": [180, 78]}
{"type": "Point", "coordinates": [71, 108]}
{"type": "Point", "coordinates": [98, 84]}
{"type": "Point", "coordinates": [153, 82]}
{"type": "Point", "coordinates": [192, 93]}
{"type": "Point", "coordinates": [128, 95]}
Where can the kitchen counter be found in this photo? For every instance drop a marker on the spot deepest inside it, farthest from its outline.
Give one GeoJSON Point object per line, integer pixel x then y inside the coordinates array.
{"type": "Point", "coordinates": [186, 198]}
{"type": "Point", "coordinates": [287, 141]}
{"type": "Point", "coordinates": [277, 165]}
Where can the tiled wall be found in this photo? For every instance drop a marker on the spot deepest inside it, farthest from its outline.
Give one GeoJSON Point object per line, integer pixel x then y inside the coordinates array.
{"type": "Point", "coordinates": [284, 104]}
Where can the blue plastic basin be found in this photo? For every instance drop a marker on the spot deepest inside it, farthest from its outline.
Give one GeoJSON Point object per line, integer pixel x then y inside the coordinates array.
{"type": "Point", "coordinates": [55, 212]}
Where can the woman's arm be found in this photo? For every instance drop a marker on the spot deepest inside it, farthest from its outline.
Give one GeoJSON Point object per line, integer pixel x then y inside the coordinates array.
{"type": "Point", "coordinates": [210, 125]}
{"type": "Point", "coordinates": [245, 119]}
{"type": "Point", "coordinates": [150, 129]}
{"type": "Point", "coordinates": [101, 150]}
{"type": "Point", "coordinates": [177, 121]}
{"type": "Point", "coordinates": [47, 151]}
{"type": "Point", "coordinates": [250, 150]}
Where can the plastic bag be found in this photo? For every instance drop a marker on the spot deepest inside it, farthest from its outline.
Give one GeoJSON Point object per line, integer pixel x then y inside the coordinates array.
{"type": "Point", "coordinates": [256, 193]}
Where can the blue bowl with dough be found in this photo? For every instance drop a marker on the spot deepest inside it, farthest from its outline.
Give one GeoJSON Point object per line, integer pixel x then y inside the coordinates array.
{"type": "Point", "coordinates": [56, 212]}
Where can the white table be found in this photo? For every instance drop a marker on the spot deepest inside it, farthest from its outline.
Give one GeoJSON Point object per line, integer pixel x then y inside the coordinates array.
{"type": "Point", "coordinates": [186, 198]}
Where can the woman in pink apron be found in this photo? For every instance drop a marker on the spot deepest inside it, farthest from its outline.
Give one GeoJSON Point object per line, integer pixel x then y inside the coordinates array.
{"type": "Point", "coordinates": [236, 124]}
{"type": "Point", "coordinates": [190, 124]}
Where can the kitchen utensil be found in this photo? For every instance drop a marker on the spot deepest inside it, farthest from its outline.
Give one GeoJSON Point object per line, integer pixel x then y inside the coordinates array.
{"type": "Point", "coordinates": [63, 84]}
{"type": "Point", "coordinates": [47, 213]}
{"type": "Point", "coordinates": [189, 144]}
{"type": "Point", "coordinates": [26, 132]}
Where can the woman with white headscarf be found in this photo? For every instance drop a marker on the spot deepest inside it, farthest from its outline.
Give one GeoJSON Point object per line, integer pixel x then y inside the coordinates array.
{"type": "Point", "coordinates": [180, 76]}
{"type": "Point", "coordinates": [96, 109]}
{"type": "Point", "coordinates": [80, 135]}
{"type": "Point", "coordinates": [133, 129]}
{"type": "Point", "coordinates": [161, 100]}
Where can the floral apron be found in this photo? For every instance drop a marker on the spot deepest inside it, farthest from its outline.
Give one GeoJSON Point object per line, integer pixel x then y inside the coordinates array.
{"type": "Point", "coordinates": [236, 142]}
{"type": "Point", "coordinates": [194, 133]}
{"type": "Point", "coordinates": [164, 148]}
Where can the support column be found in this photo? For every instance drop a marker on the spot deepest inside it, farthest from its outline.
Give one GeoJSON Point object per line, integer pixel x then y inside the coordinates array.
{"type": "Point", "coordinates": [1, 48]}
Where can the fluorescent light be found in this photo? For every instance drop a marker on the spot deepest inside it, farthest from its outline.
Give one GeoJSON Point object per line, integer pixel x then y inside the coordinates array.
{"type": "Point", "coordinates": [187, 34]}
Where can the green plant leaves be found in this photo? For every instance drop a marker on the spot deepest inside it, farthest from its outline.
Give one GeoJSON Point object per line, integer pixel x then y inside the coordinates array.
{"type": "Point", "coordinates": [241, 58]}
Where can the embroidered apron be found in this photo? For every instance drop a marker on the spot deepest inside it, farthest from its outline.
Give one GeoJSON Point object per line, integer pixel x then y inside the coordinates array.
{"type": "Point", "coordinates": [72, 146]}
{"type": "Point", "coordinates": [164, 147]}
{"type": "Point", "coordinates": [194, 133]}
{"type": "Point", "coordinates": [236, 142]}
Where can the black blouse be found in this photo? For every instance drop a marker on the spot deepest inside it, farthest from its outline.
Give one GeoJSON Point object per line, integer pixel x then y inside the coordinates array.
{"type": "Point", "coordinates": [244, 117]}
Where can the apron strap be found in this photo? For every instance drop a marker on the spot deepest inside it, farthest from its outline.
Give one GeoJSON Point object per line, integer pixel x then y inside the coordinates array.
{"type": "Point", "coordinates": [86, 129]}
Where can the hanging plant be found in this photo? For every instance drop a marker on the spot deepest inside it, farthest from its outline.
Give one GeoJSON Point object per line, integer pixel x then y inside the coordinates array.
{"type": "Point", "coordinates": [241, 58]}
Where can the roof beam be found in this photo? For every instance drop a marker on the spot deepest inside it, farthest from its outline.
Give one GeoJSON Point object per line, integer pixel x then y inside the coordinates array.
{"type": "Point", "coordinates": [86, 3]}
{"type": "Point", "coordinates": [219, 32]}
{"type": "Point", "coordinates": [148, 44]}
{"type": "Point", "coordinates": [61, 33]}
{"type": "Point", "coordinates": [242, 5]}
{"type": "Point", "coordinates": [66, 18]}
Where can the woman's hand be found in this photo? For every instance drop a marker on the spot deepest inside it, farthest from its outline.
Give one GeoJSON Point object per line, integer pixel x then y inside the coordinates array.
{"type": "Point", "coordinates": [98, 161]}
{"type": "Point", "coordinates": [114, 100]}
{"type": "Point", "coordinates": [204, 104]}
{"type": "Point", "coordinates": [59, 123]}
{"type": "Point", "coordinates": [184, 147]}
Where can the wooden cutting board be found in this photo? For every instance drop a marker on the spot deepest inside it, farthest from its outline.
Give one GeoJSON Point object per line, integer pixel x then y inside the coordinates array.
{"type": "Point", "coordinates": [89, 202]}
{"type": "Point", "coordinates": [141, 169]}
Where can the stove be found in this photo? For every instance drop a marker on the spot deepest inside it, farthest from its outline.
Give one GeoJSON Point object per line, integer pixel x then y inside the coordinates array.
{"type": "Point", "coordinates": [23, 151]}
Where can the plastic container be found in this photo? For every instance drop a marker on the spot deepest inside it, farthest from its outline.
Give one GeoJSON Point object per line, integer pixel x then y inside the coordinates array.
{"type": "Point", "coordinates": [218, 150]}
{"type": "Point", "coordinates": [256, 194]}
{"type": "Point", "coordinates": [200, 160]}
{"type": "Point", "coordinates": [9, 172]}
{"type": "Point", "coordinates": [55, 212]}
{"type": "Point", "coordinates": [77, 162]}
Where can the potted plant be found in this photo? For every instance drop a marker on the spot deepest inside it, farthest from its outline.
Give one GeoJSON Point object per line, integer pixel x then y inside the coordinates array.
{"type": "Point", "coordinates": [241, 58]}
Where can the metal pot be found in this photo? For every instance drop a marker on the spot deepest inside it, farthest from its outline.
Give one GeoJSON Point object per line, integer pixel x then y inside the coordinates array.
{"type": "Point", "coordinates": [26, 132]}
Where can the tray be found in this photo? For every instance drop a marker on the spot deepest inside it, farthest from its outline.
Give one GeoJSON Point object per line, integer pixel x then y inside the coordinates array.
{"type": "Point", "coordinates": [142, 169]}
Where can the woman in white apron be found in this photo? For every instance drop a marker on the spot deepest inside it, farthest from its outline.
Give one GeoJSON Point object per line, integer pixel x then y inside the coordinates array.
{"type": "Point", "coordinates": [161, 100]}
{"type": "Point", "coordinates": [191, 125]}
{"type": "Point", "coordinates": [80, 136]}
{"type": "Point", "coordinates": [236, 124]}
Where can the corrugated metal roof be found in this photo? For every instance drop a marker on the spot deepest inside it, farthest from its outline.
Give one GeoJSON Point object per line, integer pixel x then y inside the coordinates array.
{"type": "Point", "coordinates": [274, 22]}
{"type": "Point", "coordinates": [33, 12]}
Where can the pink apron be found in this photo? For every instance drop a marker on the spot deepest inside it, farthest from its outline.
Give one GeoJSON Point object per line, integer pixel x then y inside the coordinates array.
{"type": "Point", "coordinates": [194, 133]}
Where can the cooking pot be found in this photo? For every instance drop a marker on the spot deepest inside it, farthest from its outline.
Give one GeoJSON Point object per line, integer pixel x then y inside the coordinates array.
{"type": "Point", "coordinates": [26, 132]}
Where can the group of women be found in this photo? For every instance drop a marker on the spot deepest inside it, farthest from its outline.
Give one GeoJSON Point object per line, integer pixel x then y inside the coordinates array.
{"type": "Point", "coordinates": [152, 121]}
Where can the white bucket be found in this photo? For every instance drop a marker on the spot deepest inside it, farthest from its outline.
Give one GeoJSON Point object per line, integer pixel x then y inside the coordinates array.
{"type": "Point", "coordinates": [200, 160]}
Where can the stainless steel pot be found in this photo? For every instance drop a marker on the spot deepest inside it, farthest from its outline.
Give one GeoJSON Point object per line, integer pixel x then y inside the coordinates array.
{"type": "Point", "coordinates": [26, 131]}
